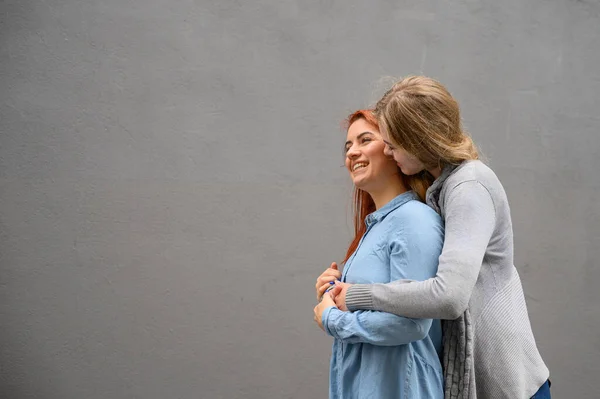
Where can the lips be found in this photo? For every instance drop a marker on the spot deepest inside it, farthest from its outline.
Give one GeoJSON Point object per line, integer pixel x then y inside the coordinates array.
{"type": "Point", "coordinates": [358, 166]}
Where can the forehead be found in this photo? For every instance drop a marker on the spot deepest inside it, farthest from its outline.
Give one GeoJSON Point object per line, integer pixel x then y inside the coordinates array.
{"type": "Point", "coordinates": [384, 134]}
{"type": "Point", "coordinates": [360, 126]}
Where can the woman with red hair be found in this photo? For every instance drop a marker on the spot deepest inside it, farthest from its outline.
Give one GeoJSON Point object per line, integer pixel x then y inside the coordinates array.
{"type": "Point", "coordinates": [377, 354]}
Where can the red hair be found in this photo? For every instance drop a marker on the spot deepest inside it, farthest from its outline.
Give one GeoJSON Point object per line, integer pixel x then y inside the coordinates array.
{"type": "Point", "coordinates": [362, 203]}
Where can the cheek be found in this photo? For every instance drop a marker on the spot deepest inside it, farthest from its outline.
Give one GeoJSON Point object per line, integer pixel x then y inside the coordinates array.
{"type": "Point", "coordinates": [414, 161]}
{"type": "Point", "coordinates": [347, 163]}
{"type": "Point", "coordinates": [375, 151]}
{"type": "Point", "coordinates": [387, 163]}
{"type": "Point", "coordinates": [397, 156]}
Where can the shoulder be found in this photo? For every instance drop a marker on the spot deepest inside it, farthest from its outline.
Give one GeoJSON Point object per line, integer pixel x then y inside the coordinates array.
{"type": "Point", "coordinates": [415, 217]}
{"type": "Point", "coordinates": [472, 171]}
{"type": "Point", "coordinates": [475, 175]}
{"type": "Point", "coordinates": [416, 230]}
{"type": "Point", "coordinates": [414, 211]}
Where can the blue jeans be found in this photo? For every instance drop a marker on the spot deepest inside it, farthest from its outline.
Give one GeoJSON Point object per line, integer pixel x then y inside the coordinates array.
{"type": "Point", "coordinates": [544, 391]}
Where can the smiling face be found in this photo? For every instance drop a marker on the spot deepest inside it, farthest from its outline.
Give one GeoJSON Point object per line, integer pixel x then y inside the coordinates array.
{"type": "Point", "coordinates": [370, 169]}
{"type": "Point", "coordinates": [407, 162]}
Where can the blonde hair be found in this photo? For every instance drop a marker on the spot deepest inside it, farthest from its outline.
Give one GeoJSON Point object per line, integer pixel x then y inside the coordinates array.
{"type": "Point", "coordinates": [422, 117]}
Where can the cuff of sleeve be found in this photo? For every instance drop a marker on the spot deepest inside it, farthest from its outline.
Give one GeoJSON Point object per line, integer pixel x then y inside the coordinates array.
{"type": "Point", "coordinates": [325, 319]}
{"type": "Point", "coordinates": [359, 296]}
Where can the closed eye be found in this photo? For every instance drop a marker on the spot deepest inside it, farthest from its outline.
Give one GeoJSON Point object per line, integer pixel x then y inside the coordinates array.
{"type": "Point", "coordinates": [389, 146]}
{"type": "Point", "coordinates": [362, 138]}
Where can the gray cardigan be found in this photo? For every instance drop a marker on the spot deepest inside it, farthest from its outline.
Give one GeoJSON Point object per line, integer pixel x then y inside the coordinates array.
{"type": "Point", "coordinates": [489, 348]}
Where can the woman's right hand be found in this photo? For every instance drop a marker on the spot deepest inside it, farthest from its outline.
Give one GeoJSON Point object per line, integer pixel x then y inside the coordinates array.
{"type": "Point", "coordinates": [325, 279]}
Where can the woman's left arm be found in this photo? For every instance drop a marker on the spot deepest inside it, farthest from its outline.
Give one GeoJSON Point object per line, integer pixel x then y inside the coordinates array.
{"type": "Point", "coordinates": [372, 327]}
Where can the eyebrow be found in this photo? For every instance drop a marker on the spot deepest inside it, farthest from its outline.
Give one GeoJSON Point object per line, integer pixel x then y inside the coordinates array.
{"type": "Point", "coordinates": [357, 138]}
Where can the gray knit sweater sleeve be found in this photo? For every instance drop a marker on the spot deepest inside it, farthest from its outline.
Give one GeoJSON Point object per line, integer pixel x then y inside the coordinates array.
{"type": "Point", "coordinates": [470, 219]}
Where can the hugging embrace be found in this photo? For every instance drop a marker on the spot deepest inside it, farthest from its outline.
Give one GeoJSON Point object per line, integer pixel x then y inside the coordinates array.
{"type": "Point", "coordinates": [429, 303]}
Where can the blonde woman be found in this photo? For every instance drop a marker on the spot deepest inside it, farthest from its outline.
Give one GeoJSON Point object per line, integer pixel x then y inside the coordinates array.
{"type": "Point", "coordinates": [489, 347]}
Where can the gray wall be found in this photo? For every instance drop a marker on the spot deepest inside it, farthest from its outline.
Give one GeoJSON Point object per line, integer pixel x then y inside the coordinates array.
{"type": "Point", "coordinates": [171, 189]}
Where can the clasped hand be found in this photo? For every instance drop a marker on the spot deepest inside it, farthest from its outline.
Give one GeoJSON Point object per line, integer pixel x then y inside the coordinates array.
{"type": "Point", "coordinates": [334, 297]}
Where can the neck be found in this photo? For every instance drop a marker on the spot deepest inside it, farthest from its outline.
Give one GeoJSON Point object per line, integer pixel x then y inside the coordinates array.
{"type": "Point", "coordinates": [435, 172]}
{"type": "Point", "coordinates": [387, 192]}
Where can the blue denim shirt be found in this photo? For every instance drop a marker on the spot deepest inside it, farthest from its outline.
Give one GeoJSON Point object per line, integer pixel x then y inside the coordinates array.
{"type": "Point", "coordinates": [381, 355]}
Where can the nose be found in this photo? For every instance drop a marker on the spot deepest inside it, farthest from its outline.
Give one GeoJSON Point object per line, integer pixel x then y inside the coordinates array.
{"type": "Point", "coordinates": [387, 151]}
{"type": "Point", "coordinates": [352, 153]}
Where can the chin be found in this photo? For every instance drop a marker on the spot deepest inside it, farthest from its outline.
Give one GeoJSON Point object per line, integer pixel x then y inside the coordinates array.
{"type": "Point", "coordinates": [359, 184]}
{"type": "Point", "coordinates": [363, 185]}
{"type": "Point", "coordinates": [408, 172]}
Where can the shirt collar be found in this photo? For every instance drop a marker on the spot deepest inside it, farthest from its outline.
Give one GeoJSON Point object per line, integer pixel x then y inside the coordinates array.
{"type": "Point", "coordinates": [382, 212]}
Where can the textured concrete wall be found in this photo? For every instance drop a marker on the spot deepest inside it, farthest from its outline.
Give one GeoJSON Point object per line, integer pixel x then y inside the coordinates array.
{"type": "Point", "coordinates": [170, 184]}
